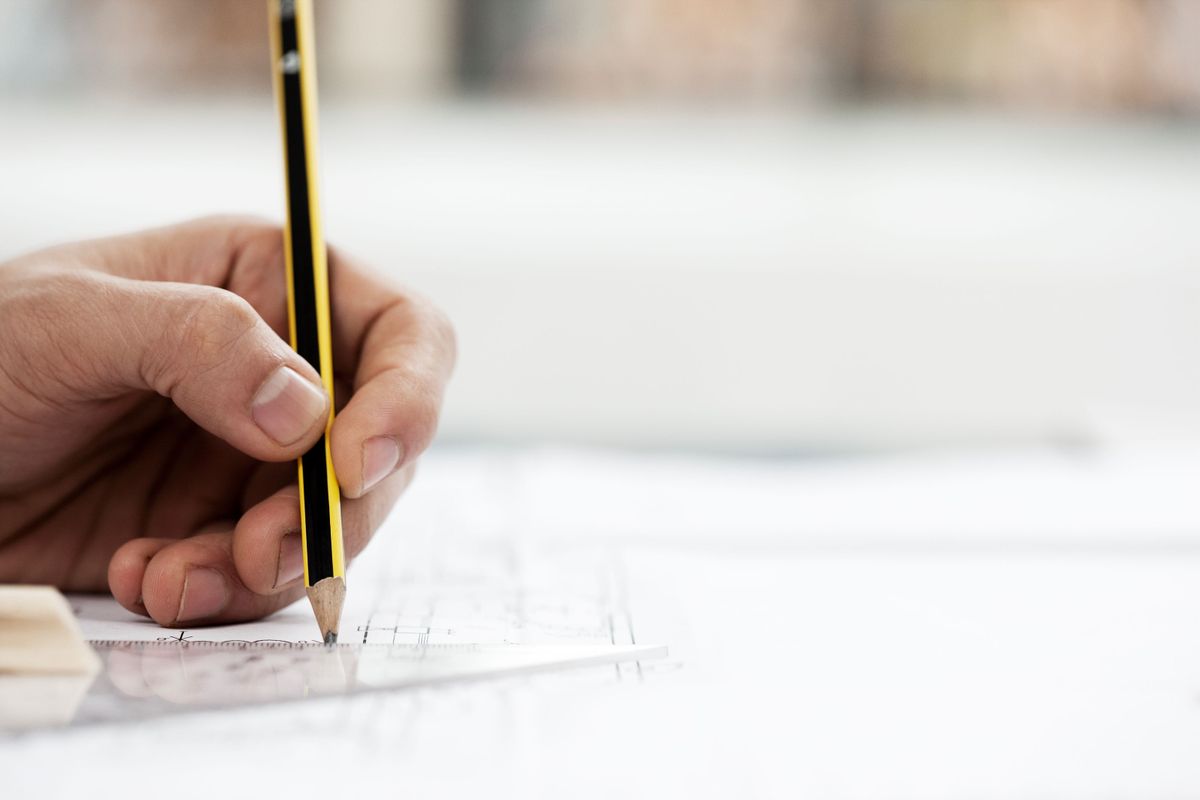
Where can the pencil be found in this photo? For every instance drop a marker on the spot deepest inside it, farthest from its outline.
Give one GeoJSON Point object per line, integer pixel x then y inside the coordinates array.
{"type": "Point", "coordinates": [295, 78]}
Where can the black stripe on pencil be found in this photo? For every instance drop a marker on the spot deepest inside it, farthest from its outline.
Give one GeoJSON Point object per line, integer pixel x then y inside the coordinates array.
{"type": "Point", "coordinates": [319, 550]}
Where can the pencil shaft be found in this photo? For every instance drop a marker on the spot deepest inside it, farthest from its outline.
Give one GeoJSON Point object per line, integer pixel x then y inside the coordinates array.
{"type": "Point", "coordinates": [308, 283]}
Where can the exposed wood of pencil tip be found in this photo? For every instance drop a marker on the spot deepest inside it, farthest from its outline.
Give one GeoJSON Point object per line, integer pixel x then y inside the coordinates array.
{"type": "Point", "coordinates": [327, 597]}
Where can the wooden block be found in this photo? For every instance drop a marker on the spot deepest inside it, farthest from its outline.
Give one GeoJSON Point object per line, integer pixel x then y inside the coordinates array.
{"type": "Point", "coordinates": [39, 634]}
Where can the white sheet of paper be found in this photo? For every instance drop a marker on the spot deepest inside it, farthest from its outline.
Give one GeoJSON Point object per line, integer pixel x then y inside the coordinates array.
{"type": "Point", "coordinates": [422, 589]}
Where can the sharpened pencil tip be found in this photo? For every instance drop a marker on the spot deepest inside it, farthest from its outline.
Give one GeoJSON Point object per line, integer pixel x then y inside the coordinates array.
{"type": "Point", "coordinates": [327, 597]}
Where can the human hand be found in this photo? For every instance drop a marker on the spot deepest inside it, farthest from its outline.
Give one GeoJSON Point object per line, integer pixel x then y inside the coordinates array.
{"type": "Point", "coordinates": [151, 415]}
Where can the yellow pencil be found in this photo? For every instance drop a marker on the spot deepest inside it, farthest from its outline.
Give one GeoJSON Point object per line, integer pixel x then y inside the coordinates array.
{"type": "Point", "coordinates": [295, 77]}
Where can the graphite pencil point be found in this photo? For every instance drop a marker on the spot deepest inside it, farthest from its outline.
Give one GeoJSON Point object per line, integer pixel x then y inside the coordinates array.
{"type": "Point", "coordinates": [327, 597]}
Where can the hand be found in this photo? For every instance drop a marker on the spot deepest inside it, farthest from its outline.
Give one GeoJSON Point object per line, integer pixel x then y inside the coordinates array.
{"type": "Point", "coordinates": [151, 415]}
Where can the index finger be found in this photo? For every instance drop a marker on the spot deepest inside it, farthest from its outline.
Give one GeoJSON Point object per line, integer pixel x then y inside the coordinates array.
{"type": "Point", "coordinates": [402, 350]}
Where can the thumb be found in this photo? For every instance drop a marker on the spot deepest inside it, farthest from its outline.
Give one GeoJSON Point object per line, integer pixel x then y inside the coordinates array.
{"type": "Point", "coordinates": [210, 352]}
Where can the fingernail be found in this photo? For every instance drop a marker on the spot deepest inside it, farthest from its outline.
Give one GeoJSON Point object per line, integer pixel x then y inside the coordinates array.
{"type": "Point", "coordinates": [380, 456]}
{"type": "Point", "coordinates": [205, 594]}
{"type": "Point", "coordinates": [286, 406]}
{"type": "Point", "coordinates": [291, 561]}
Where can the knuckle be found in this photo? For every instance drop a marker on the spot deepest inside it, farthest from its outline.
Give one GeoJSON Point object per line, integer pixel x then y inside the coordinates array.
{"type": "Point", "coordinates": [218, 322]}
{"type": "Point", "coordinates": [420, 416]}
{"type": "Point", "coordinates": [258, 240]}
{"type": "Point", "coordinates": [433, 326]}
{"type": "Point", "coordinates": [230, 312]}
{"type": "Point", "coordinates": [248, 241]}
{"type": "Point", "coordinates": [207, 325]}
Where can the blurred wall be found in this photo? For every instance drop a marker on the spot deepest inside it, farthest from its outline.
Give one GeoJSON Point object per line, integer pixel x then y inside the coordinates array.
{"type": "Point", "coordinates": [1059, 54]}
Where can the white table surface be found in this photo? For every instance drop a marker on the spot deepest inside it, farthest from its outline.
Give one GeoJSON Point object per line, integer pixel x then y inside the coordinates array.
{"type": "Point", "coordinates": [1006, 624]}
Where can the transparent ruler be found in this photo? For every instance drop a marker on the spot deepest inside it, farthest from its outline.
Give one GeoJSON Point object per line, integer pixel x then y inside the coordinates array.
{"type": "Point", "coordinates": [147, 679]}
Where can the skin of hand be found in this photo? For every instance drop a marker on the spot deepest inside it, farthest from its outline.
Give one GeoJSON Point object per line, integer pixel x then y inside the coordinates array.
{"type": "Point", "coordinates": [151, 412]}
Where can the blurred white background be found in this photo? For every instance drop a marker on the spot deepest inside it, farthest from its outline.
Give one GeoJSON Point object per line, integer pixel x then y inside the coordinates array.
{"type": "Point", "coordinates": [770, 227]}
